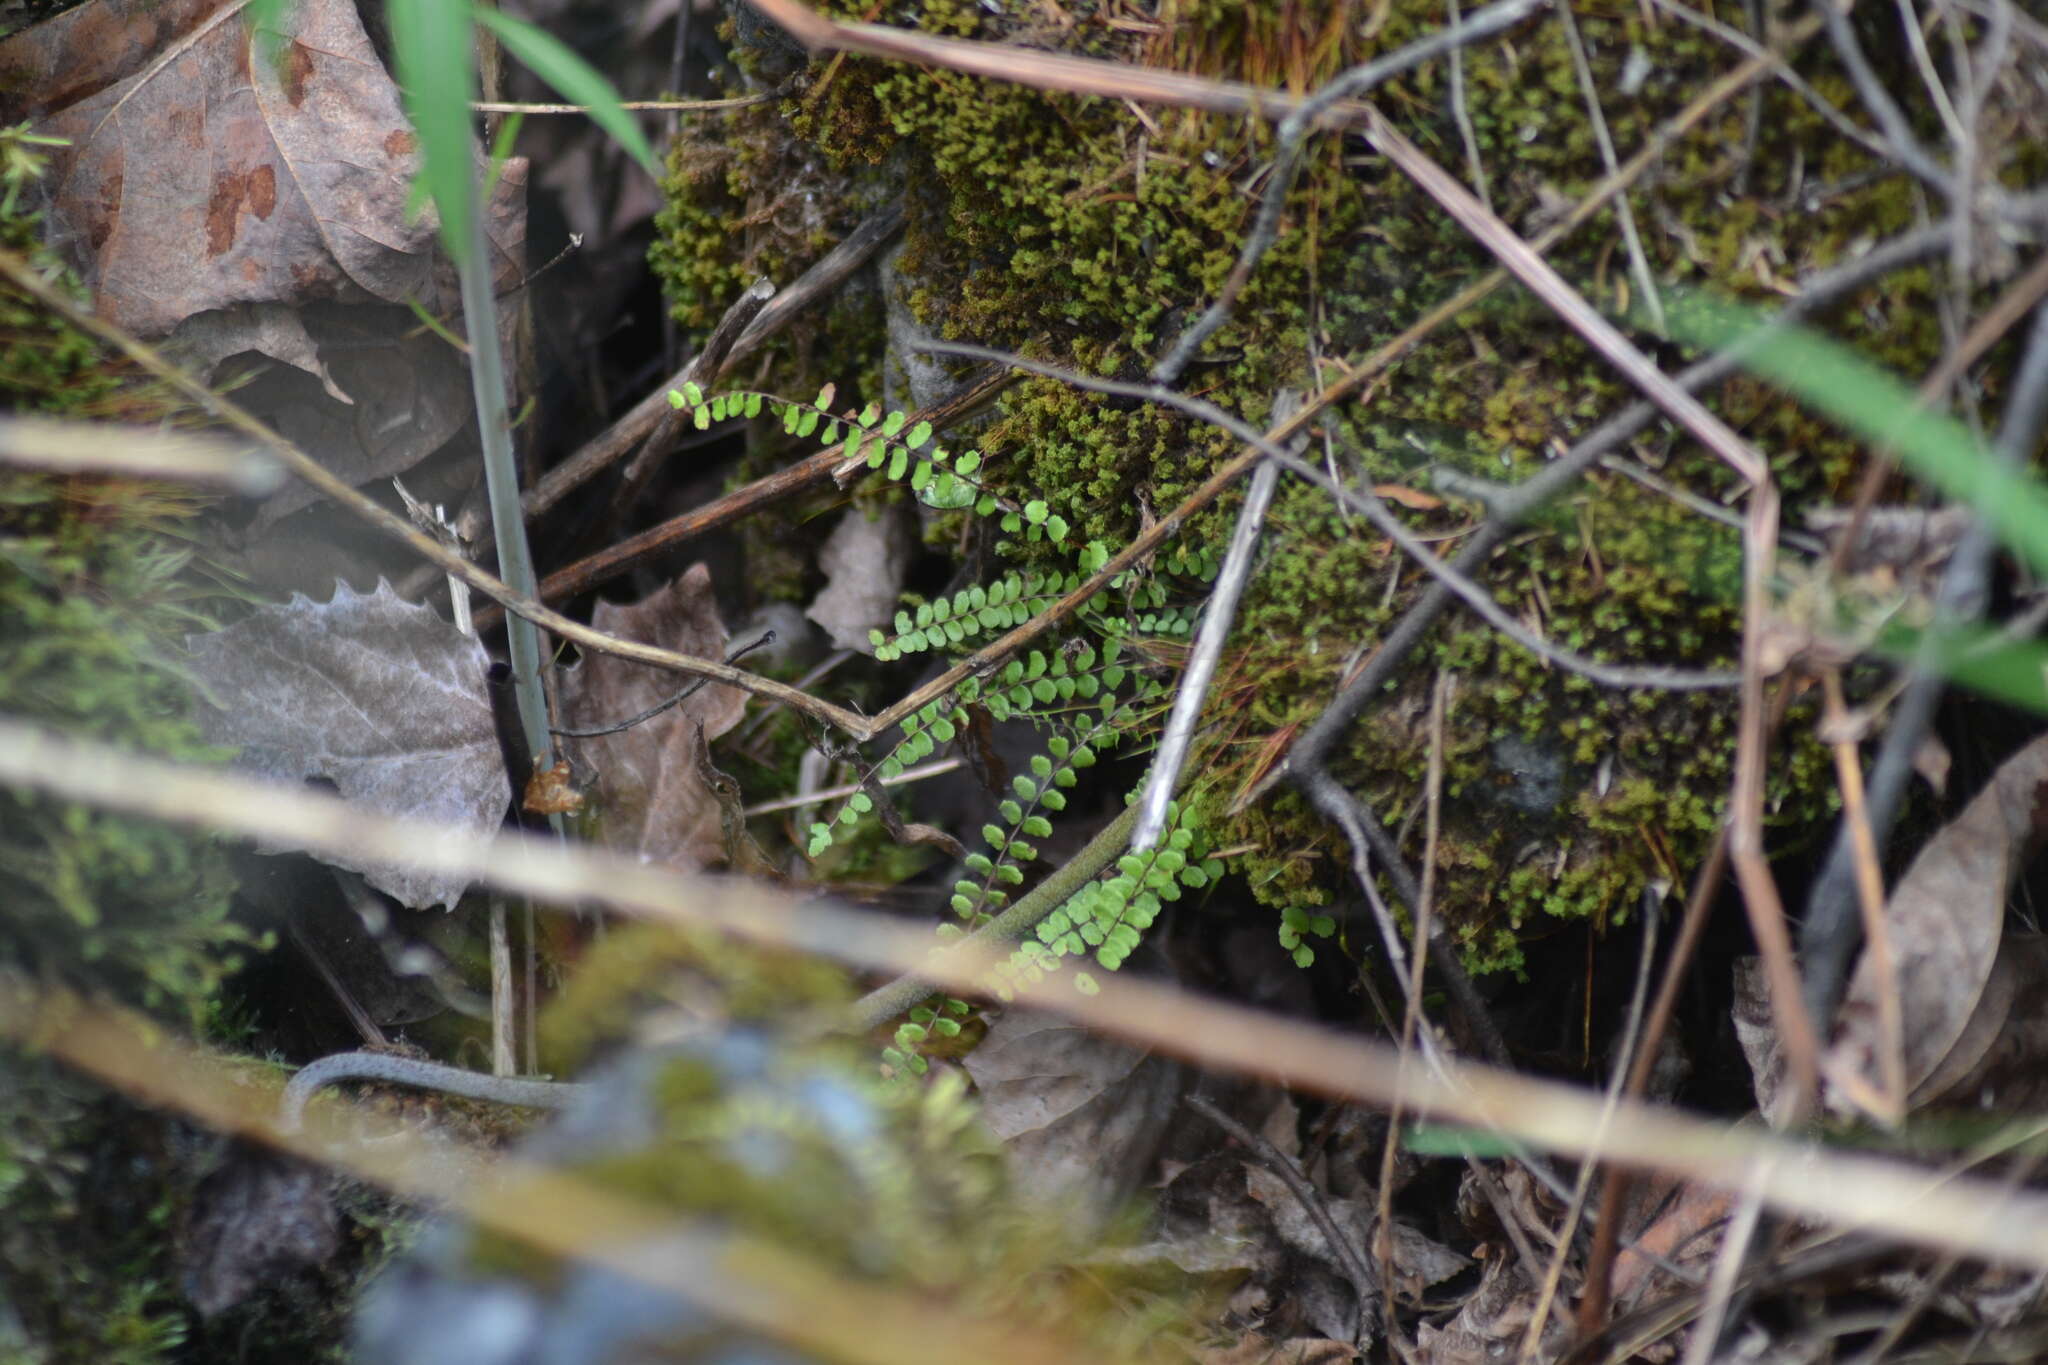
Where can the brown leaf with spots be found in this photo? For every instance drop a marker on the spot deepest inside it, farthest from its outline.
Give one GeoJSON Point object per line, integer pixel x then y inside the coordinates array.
{"type": "Point", "coordinates": [229, 205]}
{"type": "Point", "coordinates": [651, 797]}
{"type": "Point", "coordinates": [200, 176]}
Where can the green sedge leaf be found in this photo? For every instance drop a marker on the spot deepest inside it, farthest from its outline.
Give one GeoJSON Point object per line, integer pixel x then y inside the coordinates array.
{"type": "Point", "coordinates": [432, 45]}
{"type": "Point", "coordinates": [574, 79]}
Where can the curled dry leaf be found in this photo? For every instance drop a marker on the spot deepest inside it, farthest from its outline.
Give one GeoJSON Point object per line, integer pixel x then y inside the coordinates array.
{"type": "Point", "coordinates": [377, 695]}
{"type": "Point", "coordinates": [200, 176]}
{"type": "Point", "coordinates": [1945, 920]}
{"type": "Point", "coordinates": [651, 796]}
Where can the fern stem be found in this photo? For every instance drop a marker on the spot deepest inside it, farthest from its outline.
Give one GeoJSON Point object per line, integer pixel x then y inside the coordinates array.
{"type": "Point", "coordinates": [906, 992]}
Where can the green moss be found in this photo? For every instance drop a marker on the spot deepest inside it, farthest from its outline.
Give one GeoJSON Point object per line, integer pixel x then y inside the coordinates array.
{"type": "Point", "coordinates": [1080, 232]}
{"type": "Point", "coordinates": [95, 593]}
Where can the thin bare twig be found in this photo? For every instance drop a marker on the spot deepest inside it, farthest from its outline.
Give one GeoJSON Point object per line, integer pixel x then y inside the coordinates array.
{"type": "Point", "coordinates": [1638, 261]}
{"type": "Point", "coordinates": [660, 106]}
{"type": "Point", "coordinates": [630, 430]}
{"type": "Point", "coordinates": [599, 731]}
{"type": "Point", "coordinates": [1342, 1248]}
{"type": "Point", "coordinates": [1217, 619]}
{"type": "Point", "coordinates": [814, 470]}
{"type": "Point", "coordinates": [1617, 1085]}
{"type": "Point", "coordinates": [1609, 675]}
{"type": "Point", "coordinates": [1891, 1035]}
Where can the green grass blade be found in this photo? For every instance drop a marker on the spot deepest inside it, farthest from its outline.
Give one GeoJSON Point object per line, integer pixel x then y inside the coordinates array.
{"type": "Point", "coordinates": [432, 44]}
{"type": "Point", "coordinates": [1862, 397]}
{"type": "Point", "coordinates": [576, 80]}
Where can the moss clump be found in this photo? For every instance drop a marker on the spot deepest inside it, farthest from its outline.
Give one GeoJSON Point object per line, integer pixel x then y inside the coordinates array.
{"type": "Point", "coordinates": [1083, 233]}
{"type": "Point", "coordinates": [93, 593]}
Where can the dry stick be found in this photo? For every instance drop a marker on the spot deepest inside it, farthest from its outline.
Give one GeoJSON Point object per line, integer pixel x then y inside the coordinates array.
{"type": "Point", "coordinates": [1631, 1042]}
{"type": "Point", "coordinates": [1932, 1209]}
{"type": "Point", "coordinates": [710, 362]}
{"type": "Point", "coordinates": [302, 466]}
{"type": "Point", "coordinates": [659, 414]}
{"type": "Point", "coordinates": [1217, 618]}
{"type": "Point", "coordinates": [1891, 1029]}
{"type": "Point", "coordinates": [813, 470]}
{"type": "Point", "coordinates": [1638, 262]}
{"type": "Point", "coordinates": [659, 106]}
{"type": "Point", "coordinates": [1040, 70]}
{"type": "Point", "coordinates": [1828, 938]}
{"type": "Point", "coordinates": [1900, 144]}
{"type": "Point", "coordinates": [623, 435]}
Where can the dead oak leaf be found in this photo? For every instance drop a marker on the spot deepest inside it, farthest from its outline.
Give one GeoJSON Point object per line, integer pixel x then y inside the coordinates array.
{"type": "Point", "coordinates": [377, 695]}
{"type": "Point", "coordinates": [232, 205]}
{"type": "Point", "coordinates": [201, 176]}
{"type": "Point", "coordinates": [651, 795]}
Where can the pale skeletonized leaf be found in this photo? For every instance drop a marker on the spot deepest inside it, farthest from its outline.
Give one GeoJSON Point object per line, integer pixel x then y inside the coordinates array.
{"type": "Point", "coordinates": [651, 795]}
{"type": "Point", "coordinates": [377, 695]}
{"type": "Point", "coordinates": [864, 561]}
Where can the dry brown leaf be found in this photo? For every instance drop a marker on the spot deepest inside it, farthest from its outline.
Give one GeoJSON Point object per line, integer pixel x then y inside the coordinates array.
{"type": "Point", "coordinates": [1945, 920]}
{"type": "Point", "coordinates": [1081, 1114]}
{"type": "Point", "coordinates": [1413, 498]}
{"type": "Point", "coordinates": [230, 206]}
{"type": "Point", "coordinates": [650, 795]}
{"type": "Point", "coordinates": [200, 176]}
{"type": "Point", "coordinates": [375, 694]}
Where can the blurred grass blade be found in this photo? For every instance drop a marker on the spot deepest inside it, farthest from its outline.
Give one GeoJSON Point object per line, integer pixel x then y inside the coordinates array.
{"type": "Point", "coordinates": [501, 152]}
{"type": "Point", "coordinates": [266, 20]}
{"type": "Point", "coordinates": [1979, 658]}
{"type": "Point", "coordinates": [576, 80]}
{"type": "Point", "coordinates": [1862, 397]}
{"type": "Point", "coordinates": [431, 43]}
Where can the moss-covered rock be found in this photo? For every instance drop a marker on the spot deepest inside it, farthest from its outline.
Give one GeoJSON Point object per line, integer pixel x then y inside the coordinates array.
{"type": "Point", "coordinates": [1088, 233]}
